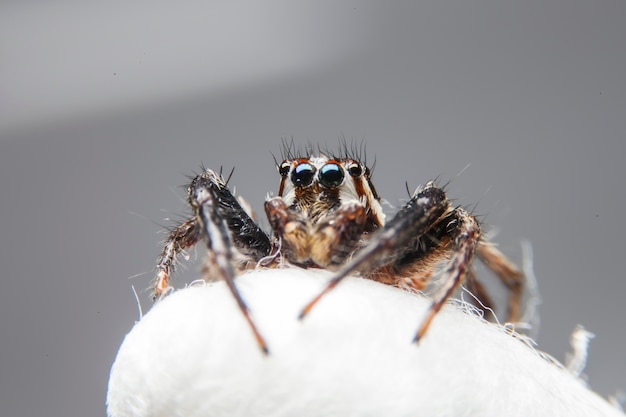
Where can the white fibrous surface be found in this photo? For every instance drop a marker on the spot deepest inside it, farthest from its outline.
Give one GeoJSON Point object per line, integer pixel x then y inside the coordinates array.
{"type": "Point", "coordinates": [193, 355]}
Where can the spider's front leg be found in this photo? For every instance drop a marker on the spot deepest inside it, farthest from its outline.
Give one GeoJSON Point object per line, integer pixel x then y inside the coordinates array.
{"type": "Point", "coordinates": [423, 211]}
{"type": "Point", "coordinates": [418, 235]}
{"type": "Point", "coordinates": [250, 242]}
{"type": "Point", "coordinates": [209, 208]}
{"type": "Point", "coordinates": [231, 236]}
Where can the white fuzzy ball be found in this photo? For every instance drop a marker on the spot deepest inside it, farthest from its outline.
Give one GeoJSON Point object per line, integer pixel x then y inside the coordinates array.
{"type": "Point", "coordinates": [193, 355]}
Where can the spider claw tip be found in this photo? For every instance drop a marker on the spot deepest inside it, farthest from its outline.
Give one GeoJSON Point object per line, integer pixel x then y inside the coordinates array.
{"type": "Point", "coordinates": [303, 313]}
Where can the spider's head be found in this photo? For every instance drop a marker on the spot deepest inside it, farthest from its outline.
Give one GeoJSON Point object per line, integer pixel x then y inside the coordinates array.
{"type": "Point", "coordinates": [317, 185]}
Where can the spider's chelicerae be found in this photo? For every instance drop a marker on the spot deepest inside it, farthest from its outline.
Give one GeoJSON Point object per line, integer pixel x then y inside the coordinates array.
{"type": "Point", "coordinates": [327, 214]}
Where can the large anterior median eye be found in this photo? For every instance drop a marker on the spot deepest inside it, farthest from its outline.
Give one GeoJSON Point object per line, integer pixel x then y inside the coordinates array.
{"type": "Point", "coordinates": [303, 174]}
{"type": "Point", "coordinates": [331, 175]}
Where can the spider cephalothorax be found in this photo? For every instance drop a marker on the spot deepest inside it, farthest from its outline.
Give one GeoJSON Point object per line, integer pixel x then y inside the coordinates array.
{"type": "Point", "coordinates": [327, 214]}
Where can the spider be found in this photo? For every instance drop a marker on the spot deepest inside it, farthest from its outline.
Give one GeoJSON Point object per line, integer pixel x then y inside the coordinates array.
{"type": "Point", "coordinates": [327, 214]}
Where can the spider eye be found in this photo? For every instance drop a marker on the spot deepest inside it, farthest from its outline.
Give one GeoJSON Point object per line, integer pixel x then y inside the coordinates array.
{"type": "Point", "coordinates": [355, 169]}
{"type": "Point", "coordinates": [331, 175]}
{"type": "Point", "coordinates": [283, 169]}
{"type": "Point", "coordinates": [303, 174]}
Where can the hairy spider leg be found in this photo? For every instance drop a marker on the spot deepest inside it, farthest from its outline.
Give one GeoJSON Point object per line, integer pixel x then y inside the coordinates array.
{"type": "Point", "coordinates": [467, 235]}
{"type": "Point", "coordinates": [414, 220]}
{"type": "Point", "coordinates": [218, 243]}
{"type": "Point", "coordinates": [512, 278]}
{"type": "Point", "coordinates": [251, 243]}
{"type": "Point", "coordinates": [180, 238]}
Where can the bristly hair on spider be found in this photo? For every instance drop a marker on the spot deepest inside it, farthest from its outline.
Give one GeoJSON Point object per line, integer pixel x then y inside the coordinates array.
{"type": "Point", "coordinates": [354, 150]}
{"type": "Point", "coordinates": [327, 214]}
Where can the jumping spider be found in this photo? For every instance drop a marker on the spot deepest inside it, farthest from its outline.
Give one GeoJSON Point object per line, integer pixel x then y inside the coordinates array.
{"type": "Point", "coordinates": [328, 215]}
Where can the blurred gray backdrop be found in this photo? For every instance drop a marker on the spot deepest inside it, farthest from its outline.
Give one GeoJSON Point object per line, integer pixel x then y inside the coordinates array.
{"type": "Point", "coordinates": [105, 107]}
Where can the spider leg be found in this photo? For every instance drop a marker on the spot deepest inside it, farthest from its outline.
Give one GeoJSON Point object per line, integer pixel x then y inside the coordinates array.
{"type": "Point", "coordinates": [248, 238]}
{"type": "Point", "coordinates": [181, 237]}
{"type": "Point", "coordinates": [251, 242]}
{"type": "Point", "coordinates": [206, 202]}
{"type": "Point", "coordinates": [507, 272]}
{"type": "Point", "coordinates": [415, 219]}
{"type": "Point", "coordinates": [467, 236]}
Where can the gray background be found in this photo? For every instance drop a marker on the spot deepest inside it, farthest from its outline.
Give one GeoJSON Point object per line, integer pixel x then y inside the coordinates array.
{"type": "Point", "coordinates": [105, 107]}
